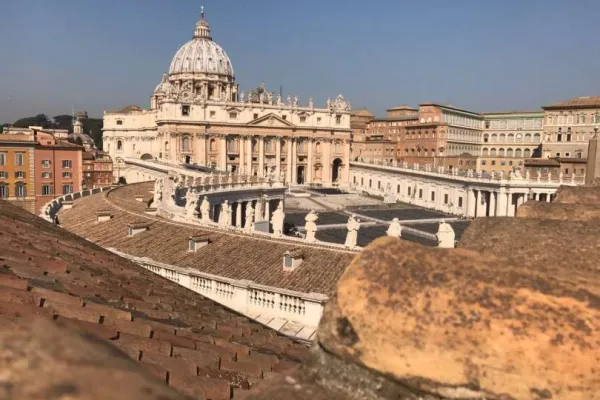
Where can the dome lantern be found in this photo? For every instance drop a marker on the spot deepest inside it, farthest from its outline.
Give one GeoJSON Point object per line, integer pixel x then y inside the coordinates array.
{"type": "Point", "coordinates": [202, 28]}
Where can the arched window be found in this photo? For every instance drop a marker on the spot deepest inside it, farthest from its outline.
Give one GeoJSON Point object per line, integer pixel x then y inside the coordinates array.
{"type": "Point", "coordinates": [20, 189]}
{"type": "Point", "coordinates": [485, 151]}
{"type": "Point", "coordinates": [486, 138]}
{"type": "Point", "coordinates": [318, 148]}
{"type": "Point", "coordinates": [511, 138]}
{"type": "Point", "coordinates": [527, 153]}
{"type": "Point", "coordinates": [185, 143]}
{"type": "Point", "coordinates": [509, 152]}
{"type": "Point", "coordinates": [518, 153]}
{"type": "Point", "coordinates": [166, 146]}
{"type": "Point", "coordinates": [433, 152]}
{"type": "Point", "coordinates": [528, 137]}
{"type": "Point", "coordinates": [212, 145]}
{"type": "Point", "coordinates": [301, 147]}
{"type": "Point", "coordinates": [231, 145]}
{"type": "Point", "coordinates": [501, 152]}
{"type": "Point", "coordinates": [537, 138]}
{"type": "Point", "coordinates": [493, 152]}
{"type": "Point", "coordinates": [133, 147]}
{"type": "Point", "coordinates": [119, 145]}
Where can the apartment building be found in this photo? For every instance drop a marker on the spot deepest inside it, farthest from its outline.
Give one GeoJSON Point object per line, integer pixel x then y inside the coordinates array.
{"type": "Point", "coordinates": [17, 155]}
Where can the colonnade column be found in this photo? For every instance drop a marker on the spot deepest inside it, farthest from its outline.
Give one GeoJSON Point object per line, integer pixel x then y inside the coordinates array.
{"type": "Point", "coordinates": [502, 203]}
{"type": "Point", "coordinates": [309, 164]}
{"type": "Point", "coordinates": [238, 214]}
{"type": "Point", "coordinates": [492, 204]}
{"type": "Point", "coordinates": [471, 199]}
{"type": "Point", "coordinates": [267, 209]}
{"type": "Point", "coordinates": [277, 157]}
{"type": "Point", "coordinates": [510, 207]}
{"type": "Point", "coordinates": [478, 203]}
{"type": "Point", "coordinates": [258, 212]}
{"type": "Point", "coordinates": [548, 197]}
{"type": "Point", "coordinates": [261, 156]}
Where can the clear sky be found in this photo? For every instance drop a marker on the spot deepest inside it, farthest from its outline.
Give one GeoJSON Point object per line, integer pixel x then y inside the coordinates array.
{"type": "Point", "coordinates": [478, 54]}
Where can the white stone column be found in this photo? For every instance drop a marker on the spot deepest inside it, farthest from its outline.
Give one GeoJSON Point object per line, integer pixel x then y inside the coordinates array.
{"type": "Point", "coordinates": [241, 152]}
{"type": "Point", "coordinates": [493, 204]}
{"type": "Point", "coordinates": [290, 143]}
{"type": "Point", "coordinates": [267, 209]}
{"type": "Point", "coordinates": [222, 152]}
{"type": "Point", "coordinates": [309, 165]}
{"type": "Point", "coordinates": [502, 200]}
{"type": "Point", "coordinates": [294, 162]}
{"type": "Point", "coordinates": [510, 206]}
{"type": "Point", "coordinates": [478, 197]}
{"type": "Point", "coordinates": [520, 199]}
{"type": "Point", "coordinates": [326, 161]}
{"type": "Point", "coordinates": [258, 212]}
{"type": "Point", "coordinates": [277, 157]}
{"type": "Point", "coordinates": [471, 199]}
{"type": "Point", "coordinates": [548, 197]}
{"type": "Point", "coordinates": [261, 156]}
{"type": "Point", "coordinates": [346, 161]}
{"type": "Point", "coordinates": [238, 214]}
{"type": "Point", "coordinates": [249, 155]}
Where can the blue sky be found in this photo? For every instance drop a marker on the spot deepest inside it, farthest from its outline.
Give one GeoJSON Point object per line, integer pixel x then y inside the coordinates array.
{"type": "Point", "coordinates": [478, 54]}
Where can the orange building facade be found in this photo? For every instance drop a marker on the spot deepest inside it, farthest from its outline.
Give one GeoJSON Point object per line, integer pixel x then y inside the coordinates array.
{"type": "Point", "coordinates": [97, 170]}
{"type": "Point", "coordinates": [17, 177]}
{"type": "Point", "coordinates": [58, 168]}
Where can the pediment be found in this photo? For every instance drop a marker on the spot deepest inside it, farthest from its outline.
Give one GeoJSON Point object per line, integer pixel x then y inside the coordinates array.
{"type": "Point", "coordinates": [271, 120]}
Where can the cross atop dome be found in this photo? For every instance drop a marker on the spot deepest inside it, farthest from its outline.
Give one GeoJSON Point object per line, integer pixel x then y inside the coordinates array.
{"type": "Point", "coordinates": [202, 28]}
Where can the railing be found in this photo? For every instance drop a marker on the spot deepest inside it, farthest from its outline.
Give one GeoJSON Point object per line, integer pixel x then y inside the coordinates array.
{"type": "Point", "coordinates": [49, 210]}
{"type": "Point", "coordinates": [471, 175]}
{"type": "Point", "coordinates": [243, 296]}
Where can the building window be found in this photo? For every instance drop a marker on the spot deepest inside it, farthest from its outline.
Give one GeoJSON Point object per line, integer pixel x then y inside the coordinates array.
{"type": "Point", "coordinates": [185, 111]}
{"type": "Point", "coordinates": [557, 154]}
{"type": "Point", "coordinates": [566, 171]}
{"type": "Point", "coordinates": [338, 119]}
{"type": "Point", "coordinates": [318, 120]}
{"type": "Point", "coordinates": [46, 175]}
{"type": "Point", "coordinates": [233, 115]}
{"type": "Point", "coordinates": [255, 116]}
{"type": "Point", "coordinates": [284, 117]}
{"type": "Point", "coordinates": [119, 122]}
{"type": "Point", "coordinates": [582, 119]}
{"type": "Point", "coordinates": [420, 193]}
{"type": "Point", "coordinates": [19, 159]}
{"type": "Point", "coordinates": [483, 162]}
{"type": "Point", "coordinates": [408, 190]}
{"type": "Point", "coordinates": [212, 114]}
{"type": "Point", "coordinates": [460, 202]}
{"type": "Point", "coordinates": [119, 146]}
{"type": "Point", "coordinates": [3, 175]}
{"type": "Point", "coordinates": [3, 190]}
{"type": "Point", "coordinates": [446, 198]}
{"type": "Point", "coordinates": [47, 190]}
{"type": "Point", "coordinates": [185, 143]}
{"type": "Point", "coordinates": [567, 154]}
{"type": "Point", "coordinates": [432, 196]}
{"type": "Point", "coordinates": [2, 158]}
{"type": "Point", "coordinates": [67, 189]}
{"type": "Point", "coordinates": [67, 163]}
{"type": "Point", "coordinates": [67, 175]}
{"type": "Point", "coordinates": [20, 190]}
{"type": "Point", "coordinates": [20, 174]}
{"type": "Point", "coordinates": [303, 119]}
{"type": "Point", "coordinates": [398, 189]}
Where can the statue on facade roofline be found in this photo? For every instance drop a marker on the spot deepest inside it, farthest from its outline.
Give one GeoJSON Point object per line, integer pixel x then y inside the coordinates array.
{"type": "Point", "coordinates": [310, 103]}
{"type": "Point", "coordinates": [295, 102]}
{"type": "Point", "coordinates": [270, 98]}
{"type": "Point", "coordinates": [242, 95]}
{"type": "Point", "coordinates": [205, 210]}
{"type": "Point", "coordinates": [279, 100]}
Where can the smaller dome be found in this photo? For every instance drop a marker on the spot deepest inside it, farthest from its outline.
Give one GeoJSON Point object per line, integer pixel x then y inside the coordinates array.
{"type": "Point", "coordinates": [164, 86]}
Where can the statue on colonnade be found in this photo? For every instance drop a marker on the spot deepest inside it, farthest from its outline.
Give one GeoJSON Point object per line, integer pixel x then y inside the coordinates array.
{"type": "Point", "coordinates": [225, 215]}
{"type": "Point", "coordinates": [277, 220]}
{"type": "Point", "coordinates": [205, 210]}
{"type": "Point", "coordinates": [353, 225]}
{"type": "Point", "coordinates": [310, 226]}
{"type": "Point", "coordinates": [445, 236]}
{"type": "Point", "coordinates": [395, 229]}
{"type": "Point", "coordinates": [249, 217]}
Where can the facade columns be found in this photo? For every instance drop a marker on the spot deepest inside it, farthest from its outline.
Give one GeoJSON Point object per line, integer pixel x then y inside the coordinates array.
{"type": "Point", "coordinates": [267, 209]}
{"type": "Point", "coordinates": [492, 204]}
{"type": "Point", "coordinates": [288, 173]}
{"type": "Point", "coordinates": [478, 197]}
{"type": "Point", "coordinates": [471, 199]}
{"type": "Point", "coordinates": [278, 158]}
{"type": "Point", "coordinates": [249, 155]}
{"type": "Point", "coordinates": [222, 152]}
{"type": "Point", "coordinates": [548, 197]}
{"type": "Point", "coordinates": [294, 161]}
{"type": "Point", "coordinates": [309, 164]}
{"type": "Point", "coordinates": [511, 207]}
{"type": "Point", "coordinates": [502, 203]}
{"type": "Point", "coordinates": [258, 212]}
{"type": "Point", "coordinates": [261, 156]}
{"type": "Point", "coordinates": [346, 176]}
{"type": "Point", "coordinates": [241, 152]}
{"type": "Point", "coordinates": [326, 161]}
{"type": "Point", "coordinates": [238, 214]}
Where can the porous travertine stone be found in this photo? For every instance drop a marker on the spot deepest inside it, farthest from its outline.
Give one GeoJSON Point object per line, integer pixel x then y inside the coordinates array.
{"type": "Point", "coordinates": [462, 325]}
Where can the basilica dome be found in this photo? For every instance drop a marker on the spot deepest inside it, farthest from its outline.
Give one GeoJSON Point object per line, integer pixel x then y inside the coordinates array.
{"type": "Point", "coordinates": [201, 56]}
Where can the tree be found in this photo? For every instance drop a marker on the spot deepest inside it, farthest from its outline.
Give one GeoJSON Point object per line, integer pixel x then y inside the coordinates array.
{"type": "Point", "coordinates": [93, 127]}
{"type": "Point", "coordinates": [39, 120]}
{"type": "Point", "coordinates": [63, 121]}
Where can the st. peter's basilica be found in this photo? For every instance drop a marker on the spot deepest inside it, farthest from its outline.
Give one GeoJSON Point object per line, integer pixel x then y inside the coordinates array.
{"type": "Point", "coordinates": [198, 115]}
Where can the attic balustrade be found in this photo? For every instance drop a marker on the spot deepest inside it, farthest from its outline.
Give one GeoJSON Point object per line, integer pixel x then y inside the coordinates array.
{"type": "Point", "coordinates": [51, 208]}
{"type": "Point", "coordinates": [244, 296]}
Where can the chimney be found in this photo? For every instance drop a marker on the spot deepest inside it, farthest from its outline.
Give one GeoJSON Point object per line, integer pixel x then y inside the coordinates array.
{"type": "Point", "coordinates": [197, 241]}
{"type": "Point", "coordinates": [103, 215]}
{"type": "Point", "coordinates": [292, 259]}
{"type": "Point", "coordinates": [137, 227]}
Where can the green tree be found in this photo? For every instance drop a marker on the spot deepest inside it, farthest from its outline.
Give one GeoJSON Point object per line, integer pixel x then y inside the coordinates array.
{"type": "Point", "coordinates": [63, 121]}
{"type": "Point", "coordinates": [39, 120]}
{"type": "Point", "coordinates": [93, 127]}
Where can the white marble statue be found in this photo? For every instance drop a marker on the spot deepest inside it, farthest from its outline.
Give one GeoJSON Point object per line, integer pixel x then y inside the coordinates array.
{"type": "Point", "coordinates": [445, 236]}
{"type": "Point", "coordinates": [311, 104]}
{"type": "Point", "coordinates": [295, 101]}
{"type": "Point", "coordinates": [289, 101]}
{"type": "Point", "coordinates": [353, 225]}
{"type": "Point", "coordinates": [225, 215]}
{"type": "Point", "coordinates": [310, 226]}
{"type": "Point", "coordinates": [242, 95]}
{"type": "Point", "coordinates": [190, 203]}
{"type": "Point", "coordinates": [395, 229]}
{"type": "Point", "coordinates": [277, 221]}
{"type": "Point", "coordinates": [205, 210]}
{"type": "Point", "coordinates": [279, 100]}
{"type": "Point", "coordinates": [270, 98]}
{"type": "Point", "coordinates": [249, 217]}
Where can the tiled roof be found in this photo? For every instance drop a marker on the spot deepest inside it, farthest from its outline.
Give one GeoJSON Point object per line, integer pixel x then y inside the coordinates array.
{"type": "Point", "coordinates": [577, 102]}
{"type": "Point", "coordinates": [178, 336]}
{"type": "Point", "coordinates": [231, 255]}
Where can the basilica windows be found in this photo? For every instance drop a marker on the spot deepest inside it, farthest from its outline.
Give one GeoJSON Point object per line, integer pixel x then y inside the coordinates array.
{"type": "Point", "coordinates": [119, 122]}
{"type": "Point", "coordinates": [212, 145]}
{"type": "Point", "coordinates": [518, 153]}
{"type": "Point", "coordinates": [185, 144]}
{"type": "Point", "coordinates": [119, 146]}
{"type": "Point", "coordinates": [166, 147]}
{"type": "Point", "coordinates": [303, 119]}
{"type": "Point", "coordinates": [338, 119]}
{"type": "Point", "coordinates": [302, 147]}
{"type": "Point", "coordinates": [212, 114]}
{"type": "Point", "coordinates": [318, 148]}
{"type": "Point", "coordinates": [233, 115]}
{"type": "Point", "coordinates": [185, 110]}
{"type": "Point", "coordinates": [338, 147]}
{"type": "Point", "coordinates": [231, 146]}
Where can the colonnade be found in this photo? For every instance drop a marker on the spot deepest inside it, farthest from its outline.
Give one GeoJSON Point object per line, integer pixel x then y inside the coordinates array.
{"type": "Point", "coordinates": [499, 203]}
{"type": "Point", "coordinates": [262, 210]}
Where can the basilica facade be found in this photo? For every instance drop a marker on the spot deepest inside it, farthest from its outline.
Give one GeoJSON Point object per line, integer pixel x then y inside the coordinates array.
{"type": "Point", "coordinates": [198, 115]}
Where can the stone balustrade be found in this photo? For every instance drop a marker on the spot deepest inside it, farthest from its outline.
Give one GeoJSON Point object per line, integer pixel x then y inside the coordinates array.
{"type": "Point", "coordinates": [243, 296]}
{"type": "Point", "coordinates": [49, 210]}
